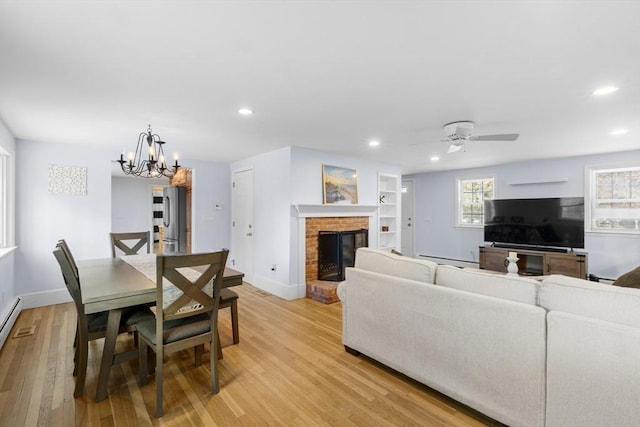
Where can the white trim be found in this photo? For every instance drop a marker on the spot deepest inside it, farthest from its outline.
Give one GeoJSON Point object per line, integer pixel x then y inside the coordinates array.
{"type": "Point", "coordinates": [44, 298]}
{"type": "Point", "coordinates": [458, 197]}
{"type": "Point", "coordinates": [6, 251]}
{"type": "Point", "coordinates": [589, 197]}
{"type": "Point", "coordinates": [288, 292]}
{"type": "Point", "coordinates": [305, 211]}
{"type": "Point", "coordinates": [302, 212]}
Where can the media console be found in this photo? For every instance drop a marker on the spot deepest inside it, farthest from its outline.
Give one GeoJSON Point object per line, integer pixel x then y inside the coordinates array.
{"type": "Point", "coordinates": [535, 262]}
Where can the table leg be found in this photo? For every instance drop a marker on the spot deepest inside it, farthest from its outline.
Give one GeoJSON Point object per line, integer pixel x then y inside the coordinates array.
{"type": "Point", "coordinates": [113, 325]}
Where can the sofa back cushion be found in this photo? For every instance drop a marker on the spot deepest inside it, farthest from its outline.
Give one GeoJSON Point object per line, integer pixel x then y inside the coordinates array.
{"type": "Point", "coordinates": [513, 288]}
{"type": "Point", "coordinates": [591, 299]}
{"type": "Point", "coordinates": [395, 265]}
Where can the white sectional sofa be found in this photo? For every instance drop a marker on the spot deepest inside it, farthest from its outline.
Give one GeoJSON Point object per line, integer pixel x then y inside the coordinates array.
{"type": "Point", "coordinates": [564, 352]}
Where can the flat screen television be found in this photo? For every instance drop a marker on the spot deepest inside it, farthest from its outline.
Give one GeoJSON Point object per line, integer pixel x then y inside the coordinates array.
{"type": "Point", "coordinates": [548, 222]}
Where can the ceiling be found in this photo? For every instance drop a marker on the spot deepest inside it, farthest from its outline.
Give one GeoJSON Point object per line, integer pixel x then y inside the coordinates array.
{"type": "Point", "coordinates": [327, 75]}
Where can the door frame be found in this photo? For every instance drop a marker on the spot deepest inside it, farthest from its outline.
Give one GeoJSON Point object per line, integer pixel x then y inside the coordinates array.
{"type": "Point", "coordinates": [248, 274]}
{"type": "Point", "coordinates": [413, 213]}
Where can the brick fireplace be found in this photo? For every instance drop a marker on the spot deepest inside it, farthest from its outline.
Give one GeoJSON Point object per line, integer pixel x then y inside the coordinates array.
{"type": "Point", "coordinates": [311, 220]}
{"type": "Point", "coordinates": [314, 225]}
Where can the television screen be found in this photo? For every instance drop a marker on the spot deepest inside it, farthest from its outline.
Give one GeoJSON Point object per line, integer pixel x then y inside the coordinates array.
{"type": "Point", "coordinates": [550, 222]}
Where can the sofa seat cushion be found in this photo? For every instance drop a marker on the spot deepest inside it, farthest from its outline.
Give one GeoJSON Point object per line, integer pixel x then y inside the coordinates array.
{"type": "Point", "coordinates": [591, 299]}
{"type": "Point", "coordinates": [513, 288]}
{"type": "Point", "coordinates": [382, 262]}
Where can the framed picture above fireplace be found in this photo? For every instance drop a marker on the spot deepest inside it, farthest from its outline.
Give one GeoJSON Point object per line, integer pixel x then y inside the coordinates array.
{"type": "Point", "coordinates": [339, 185]}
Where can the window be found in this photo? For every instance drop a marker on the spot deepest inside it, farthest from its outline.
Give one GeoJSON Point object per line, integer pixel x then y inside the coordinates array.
{"type": "Point", "coordinates": [470, 200]}
{"type": "Point", "coordinates": [6, 200]}
{"type": "Point", "coordinates": [614, 199]}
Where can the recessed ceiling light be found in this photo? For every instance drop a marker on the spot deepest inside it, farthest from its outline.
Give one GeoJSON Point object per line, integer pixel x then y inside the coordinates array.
{"type": "Point", "coordinates": [604, 90]}
{"type": "Point", "coordinates": [374, 143]}
{"type": "Point", "coordinates": [620, 131]}
{"type": "Point", "coordinates": [435, 158]}
{"type": "Point", "coordinates": [245, 111]}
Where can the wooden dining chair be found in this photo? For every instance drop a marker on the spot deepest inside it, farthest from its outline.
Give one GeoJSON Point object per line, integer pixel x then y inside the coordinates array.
{"type": "Point", "coordinates": [121, 241]}
{"type": "Point", "coordinates": [90, 326]}
{"type": "Point", "coordinates": [186, 313]}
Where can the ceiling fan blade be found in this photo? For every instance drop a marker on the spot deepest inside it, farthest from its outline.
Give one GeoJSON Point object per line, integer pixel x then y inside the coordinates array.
{"type": "Point", "coordinates": [454, 148]}
{"type": "Point", "coordinates": [501, 137]}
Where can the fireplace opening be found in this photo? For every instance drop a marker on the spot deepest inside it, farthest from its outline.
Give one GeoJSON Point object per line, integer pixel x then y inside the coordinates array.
{"type": "Point", "coordinates": [337, 251]}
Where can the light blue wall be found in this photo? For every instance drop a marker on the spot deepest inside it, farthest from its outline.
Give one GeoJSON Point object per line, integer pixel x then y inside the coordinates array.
{"type": "Point", "coordinates": [286, 177]}
{"type": "Point", "coordinates": [85, 221]}
{"type": "Point", "coordinates": [43, 218]}
{"type": "Point", "coordinates": [210, 227]}
{"type": "Point", "coordinates": [435, 234]}
{"type": "Point", "coordinates": [132, 204]}
{"type": "Point", "coordinates": [7, 282]}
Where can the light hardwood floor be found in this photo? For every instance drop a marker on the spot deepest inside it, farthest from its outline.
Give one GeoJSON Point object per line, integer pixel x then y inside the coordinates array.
{"type": "Point", "coordinates": [290, 368]}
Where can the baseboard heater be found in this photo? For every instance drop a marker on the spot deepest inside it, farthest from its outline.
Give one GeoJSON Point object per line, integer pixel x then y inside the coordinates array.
{"type": "Point", "coordinates": [451, 261]}
{"type": "Point", "coordinates": [9, 320]}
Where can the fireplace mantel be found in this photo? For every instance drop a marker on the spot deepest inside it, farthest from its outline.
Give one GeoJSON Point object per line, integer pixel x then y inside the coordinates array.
{"type": "Point", "coordinates": [305, 211]}
{"type": "Point", "coordinates": [301, 212]}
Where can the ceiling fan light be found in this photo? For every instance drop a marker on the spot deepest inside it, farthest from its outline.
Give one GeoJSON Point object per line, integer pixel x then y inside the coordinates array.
{"type": "Point", "coordinates": [604, 90]}
{"type": "Point", "coordinates": [454, 147]}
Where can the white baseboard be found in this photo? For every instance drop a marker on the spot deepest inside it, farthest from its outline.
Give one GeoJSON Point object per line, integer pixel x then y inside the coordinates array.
{"type": "Point", "coordinates": [287, 292]}
{"type": "Point", "coordinates": [41, 299]}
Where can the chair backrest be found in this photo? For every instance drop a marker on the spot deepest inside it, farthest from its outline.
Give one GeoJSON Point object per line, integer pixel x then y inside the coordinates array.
{"type": "Point", "coordinates": [70, 277]}
{"type": "Point", "coordinates": [119, 240]}
{"type": "Point", "coordinates": [194, 288]}
{"type": "Point", "coordinates": [65, 248]}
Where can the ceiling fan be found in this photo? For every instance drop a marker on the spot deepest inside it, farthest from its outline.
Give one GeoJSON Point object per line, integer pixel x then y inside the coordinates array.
{"type": "Point", "coordinates": [458, 133]}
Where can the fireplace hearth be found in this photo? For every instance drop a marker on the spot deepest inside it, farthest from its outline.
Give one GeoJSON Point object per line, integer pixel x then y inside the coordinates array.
{"type": "Point", "coordinates": [337, 251]}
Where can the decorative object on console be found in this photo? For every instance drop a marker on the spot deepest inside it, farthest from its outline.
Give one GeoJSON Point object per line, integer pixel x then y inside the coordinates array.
{"type": "Point", "coordinates": [148, 161]}
{"type": "Point", "coordinates": [339, 185]}
{"type": "Point", "coordinates": [512, 264]}
{"type": "Point", "coordinates": [630, 279]}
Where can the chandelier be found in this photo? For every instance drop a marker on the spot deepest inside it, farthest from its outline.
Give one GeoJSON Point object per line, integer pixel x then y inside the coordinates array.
{"type": "Point", "coordinates": [148, 161]}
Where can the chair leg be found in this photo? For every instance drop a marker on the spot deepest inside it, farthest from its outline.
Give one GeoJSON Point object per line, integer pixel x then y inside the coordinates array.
{"type": "Point", "coordinates": [214, 350]}
{"type": "Point", "coordinates": [198, 350]}
{"type": "Point", "coordinates": [143, 359]}
{"type": "Point", "coordinates": [75, 360]}
{"type": "Point", "coordinates": [81, 364]}
{"type": "Point", "coordinates": [159, 376]}
{"type": "Point", "coordinates": [234, 322]}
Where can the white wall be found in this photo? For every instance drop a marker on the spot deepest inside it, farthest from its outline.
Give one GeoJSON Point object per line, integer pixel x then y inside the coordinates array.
{"type": "Point", "coordinates": [271, 233]}
{"type": "Point", "coordinates": [435, 235]}
{"type": "Point", "coordinates": [8, 291]}
{"type": "Point", "coordinates": [286, 177]}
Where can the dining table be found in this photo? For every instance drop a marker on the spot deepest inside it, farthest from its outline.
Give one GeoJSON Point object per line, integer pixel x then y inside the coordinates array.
{"type": "Point", "coordinates": [113, 284]}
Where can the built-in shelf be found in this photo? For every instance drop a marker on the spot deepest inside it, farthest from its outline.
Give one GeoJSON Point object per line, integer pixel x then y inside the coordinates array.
{"type": "Point", "coordinates": [388, 211]}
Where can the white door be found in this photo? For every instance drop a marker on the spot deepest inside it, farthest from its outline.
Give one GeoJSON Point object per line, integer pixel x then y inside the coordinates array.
{"type": "Point", "coordinates": [241, 256]}
{"type": "Point", "coordinates": [408, 223]}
